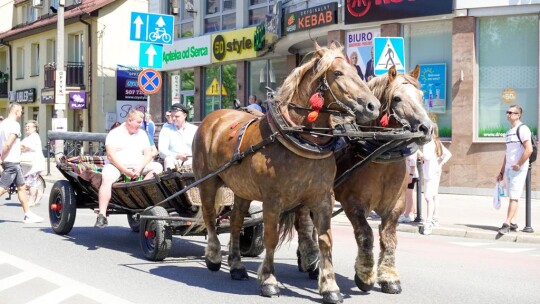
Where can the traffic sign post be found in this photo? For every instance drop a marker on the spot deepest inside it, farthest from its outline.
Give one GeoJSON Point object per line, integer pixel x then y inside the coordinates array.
{"type": "Point", "coordinates": [151, 28]}
{"type": "Point", "coordinates": [388, 52]}
{"type": "Point", "coordinates": [150, 81]}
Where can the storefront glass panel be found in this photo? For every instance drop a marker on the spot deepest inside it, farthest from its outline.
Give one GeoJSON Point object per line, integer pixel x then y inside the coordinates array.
{"type": "Point", "coordinates": [508, 73]}
{"type": "Point", "coordinates": [266, 73]}
{"type": "Point", "coordinates": [430, 43]}
{"type": "Point", "coordinates": [219, 88]}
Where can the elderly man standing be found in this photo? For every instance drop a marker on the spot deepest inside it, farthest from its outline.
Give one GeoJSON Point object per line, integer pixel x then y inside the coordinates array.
{"type": "Point", "coordinates": [129, 153]}
{"type": "Point", "coordinates": [176, 139]}
{"type": "Point", "coordinates": [10, 159]}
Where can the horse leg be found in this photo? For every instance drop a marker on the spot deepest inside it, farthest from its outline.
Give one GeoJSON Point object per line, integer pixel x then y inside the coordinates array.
{"type": "Point", "coordinates": [212, 254]}
{"type": "Point", "coordinates": [364, 267]}
{"type": "Point", "coordinates": [308, 249]}
{"type": "Point", "coordinates": [388, 276]}
{"type": "Point", "coordinates": [237, 269]}
{"type": "Point", "coordinates": [328, 287]}
{"type": "Point", "coordinates": [265, 274]}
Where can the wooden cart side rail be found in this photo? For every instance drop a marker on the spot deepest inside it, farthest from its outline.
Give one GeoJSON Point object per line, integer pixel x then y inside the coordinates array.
{"type": "Point", "coordinates": [74, 138]}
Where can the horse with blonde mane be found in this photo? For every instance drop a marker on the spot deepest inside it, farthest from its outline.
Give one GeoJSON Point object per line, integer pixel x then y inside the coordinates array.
{"type": "Point", "coordinates": [284, 159]}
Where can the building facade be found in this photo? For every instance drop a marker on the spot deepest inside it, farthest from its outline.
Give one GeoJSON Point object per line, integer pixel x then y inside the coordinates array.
{"type": "Point", "coordinates": [485, 55]}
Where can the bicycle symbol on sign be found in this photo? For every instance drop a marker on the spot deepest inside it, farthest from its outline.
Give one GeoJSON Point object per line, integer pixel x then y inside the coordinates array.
{"type": "Point", "coordinates": [160, 33]}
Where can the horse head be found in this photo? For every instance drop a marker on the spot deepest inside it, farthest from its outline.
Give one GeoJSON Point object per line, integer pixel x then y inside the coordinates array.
{"type": "Point", "coordinates": [327, 85]}
{"type": "Point", "coordinates": [401, 103]}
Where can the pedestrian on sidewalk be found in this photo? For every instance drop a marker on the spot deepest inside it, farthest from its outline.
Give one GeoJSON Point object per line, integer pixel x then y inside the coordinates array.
{"type": "Point", "coordinates": [10, 159]}
{"type": "Point", "coordinates": [412, 180]}
{"type": "Point", "coordinates": [515, 164]}
{"type": "Point", "coordinates": [34, 160]}
{"type": "Point", "coordinates": [435, 155]}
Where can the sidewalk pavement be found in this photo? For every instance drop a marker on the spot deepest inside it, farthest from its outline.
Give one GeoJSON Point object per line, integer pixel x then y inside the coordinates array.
{"type": "Point", "coordinates": [470, 216]}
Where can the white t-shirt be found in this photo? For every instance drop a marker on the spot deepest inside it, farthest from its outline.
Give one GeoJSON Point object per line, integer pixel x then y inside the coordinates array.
{"type": "Point", "coordinates": [411, 162]}
{"type": "Point", "coordinates": [8, 127]}
{"type": "Point", "coordinates": [129, 147]}
{"type": "Point", "coordinates": [432, 164]}
{"type": "Point", "coordinates": [35, 155]}
{"type": "Point", "coordinates": [514, 148]}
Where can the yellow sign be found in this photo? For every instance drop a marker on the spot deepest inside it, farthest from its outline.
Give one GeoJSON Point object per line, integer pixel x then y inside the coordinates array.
{"type": "Point", "coordinates": [509, 95]}
{"type": "Point", "coordinates": [214, 88]}
{"type": "Point", "coordinates": [234, 45]}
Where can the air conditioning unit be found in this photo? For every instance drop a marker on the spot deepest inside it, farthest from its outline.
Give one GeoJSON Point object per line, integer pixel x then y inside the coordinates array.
{"type": "Point", "coordinates": [37, 3]}
{"type": "Point", "coordinates": [175, 10]}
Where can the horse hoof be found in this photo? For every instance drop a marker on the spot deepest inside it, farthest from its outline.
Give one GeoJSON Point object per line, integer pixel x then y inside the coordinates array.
{"type": "Point", "coordinates": [332, 297]}
{"type": "Point", "coordinates": [212, 266]}
{"type": "Point", "coordinates": [269, 291]}
{"type": "Point", "coordinates": [391, 287]}
{"type": "Point", "coordinates": [239, 274]}
{"type": "Point", "coordinates": [299, 260]}
{"type": "Point", "coordinates": [363, 286]}
{"type": "Point", "coordinates": [313, 274]}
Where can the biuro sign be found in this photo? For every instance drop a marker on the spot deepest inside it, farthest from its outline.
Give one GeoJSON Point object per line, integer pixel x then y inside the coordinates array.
{"type": "Point", "coordinates": [359, 11]}
{"type": "Point", "coordinates": [311, 18]}
{"type": "Point", "coordinates": [233, 45]}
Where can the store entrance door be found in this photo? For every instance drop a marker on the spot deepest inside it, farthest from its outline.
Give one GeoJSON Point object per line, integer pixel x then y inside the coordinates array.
{"type": "Point", "coordinates": [187, 98]}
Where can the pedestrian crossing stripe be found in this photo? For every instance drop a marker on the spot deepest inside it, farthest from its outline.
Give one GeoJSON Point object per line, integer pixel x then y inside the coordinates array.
{"type": "Point", "coordinates": [389, 51]}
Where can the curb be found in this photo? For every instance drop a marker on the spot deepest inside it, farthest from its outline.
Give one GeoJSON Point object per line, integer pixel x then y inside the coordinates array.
{"type": "Point", "coordinates": [515, 237]}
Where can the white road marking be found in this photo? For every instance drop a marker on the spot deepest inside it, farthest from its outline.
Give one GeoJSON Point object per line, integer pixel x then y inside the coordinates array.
{"type": "Point", "coordinates": [513, 250]}
{"type": "Point", "coordinates": [69, 287]}
{"type": "Point", "coordinates": [471, 244]}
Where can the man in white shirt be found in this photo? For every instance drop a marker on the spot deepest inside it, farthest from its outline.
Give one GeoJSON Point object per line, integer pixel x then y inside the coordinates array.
{"type": "Point", "coordinates": [129, 153]}
{"type": "Point", "coordinates": [10, 143]}
{"type": "Point", "coordinates": [176, 139]}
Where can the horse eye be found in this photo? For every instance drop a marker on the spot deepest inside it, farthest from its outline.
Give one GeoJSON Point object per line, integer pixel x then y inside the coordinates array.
{"type": "Point", "coordinates": [396, 99]}
{"type": "Point", "coordinates": [338, 73]}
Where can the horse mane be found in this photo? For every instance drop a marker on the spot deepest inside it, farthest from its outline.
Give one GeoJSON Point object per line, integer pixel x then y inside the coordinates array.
{"type": "Point", "coordinates": [322, 59]}
{"type": "Point", "coordinates": [383, 89]}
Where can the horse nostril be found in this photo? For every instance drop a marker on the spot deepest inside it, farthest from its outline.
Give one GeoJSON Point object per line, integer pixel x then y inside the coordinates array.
{"type": "Point", "coordinates": [370, 107]}
{"type": "Point", "coordinates": [424, 129]}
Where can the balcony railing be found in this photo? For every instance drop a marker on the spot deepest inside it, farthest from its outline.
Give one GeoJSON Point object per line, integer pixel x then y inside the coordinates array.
{"type": "Point", "coordinates": [74, 74]}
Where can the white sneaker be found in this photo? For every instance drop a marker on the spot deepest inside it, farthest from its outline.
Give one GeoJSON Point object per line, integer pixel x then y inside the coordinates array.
{"type": "Point", "coordinates": [404, 219]}
{"type": "Point", "coordinates": [435, 222]}
{"type": "Point", "coordinates": [30, 218]}
{"type": "Point", "coordinates": [428, 228]}
{"type": "Point", "coordinates": [373, 215]}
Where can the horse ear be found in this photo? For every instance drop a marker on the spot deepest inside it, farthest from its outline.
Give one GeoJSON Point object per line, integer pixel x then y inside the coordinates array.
{"type": "Point", "coordinates": [416, 72]}
{"type": "Point", "coordinates": [318, 49]}
{"type": "Point", "coordinates": [392, 74]}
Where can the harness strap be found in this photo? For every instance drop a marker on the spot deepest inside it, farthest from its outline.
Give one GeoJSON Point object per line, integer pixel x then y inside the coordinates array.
{"type": "Point", "coordinates": [241, 136]}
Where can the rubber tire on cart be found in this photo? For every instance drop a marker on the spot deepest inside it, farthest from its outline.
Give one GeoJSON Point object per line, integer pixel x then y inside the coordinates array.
{"type": "Point", "coordinates": [62, 207]}
{"type": "Point", "coordinates": [251, 240]}
{"type": "Point", "coordinates": [155, 240]}
{"type": "Point", "coordinates": [133, 223]}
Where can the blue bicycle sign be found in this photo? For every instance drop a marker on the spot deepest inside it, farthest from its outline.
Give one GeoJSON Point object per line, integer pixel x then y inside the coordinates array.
{"type": "Point", "coordinates": [154, 28]}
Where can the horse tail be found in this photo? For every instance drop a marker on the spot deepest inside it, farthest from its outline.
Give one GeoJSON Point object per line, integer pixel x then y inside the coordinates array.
{"type": "Point", "coordinates": [223, 198]}
{"type": "Point", "coordinates": [286, 227]}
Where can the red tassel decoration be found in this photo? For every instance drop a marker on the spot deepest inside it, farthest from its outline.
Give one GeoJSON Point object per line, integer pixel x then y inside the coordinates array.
{"type": "Point", "coordinates": [384, 120]}
{"type": "Point", "coordinates": [316, 100]}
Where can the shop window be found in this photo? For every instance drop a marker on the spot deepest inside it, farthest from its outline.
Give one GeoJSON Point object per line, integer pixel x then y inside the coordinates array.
{"type": "Point", "coordinates": [35, 63]}
{"type": "Point", "coordinates": [508, 73]}
{"type": "Point", "coordinates": [219, 88]}
{"type": "Point", "coordinates": [266, 73]}
{"type": "Point", "coordinates": [182, 89]}
{"type": "Point", "coordinates": [431, 43]}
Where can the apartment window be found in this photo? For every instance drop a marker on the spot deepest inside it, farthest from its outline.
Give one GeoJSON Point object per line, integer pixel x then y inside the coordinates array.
{"type": "Point", "coordinates": [75, 48]}
{"type": "Point", "coordinates": [51, 51]}
{"type": "Point", "coordinates": [20, 63]}
{"type": "Point", "coordinates": [220, 15]}
{"type": "Point", "coordinates": [184, 20]}
{"type": "Point", "coordinates": [258, 10]}
{"type": "Point", "coordinates": [34, 64]}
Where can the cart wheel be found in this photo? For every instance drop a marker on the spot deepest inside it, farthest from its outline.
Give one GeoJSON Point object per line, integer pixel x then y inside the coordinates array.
{"type": "Point", "coordinates": [62, 207]}
{"type": "Point", "coordinates": [133, 223]}
{"type": "Point", "coordinates": [155, 240]}
{"type": "Point", "coordinates": [251, 241]}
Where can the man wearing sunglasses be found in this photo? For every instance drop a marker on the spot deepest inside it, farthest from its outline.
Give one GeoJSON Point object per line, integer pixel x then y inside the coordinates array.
{"type": "Point", "coordinates": [515, 164]}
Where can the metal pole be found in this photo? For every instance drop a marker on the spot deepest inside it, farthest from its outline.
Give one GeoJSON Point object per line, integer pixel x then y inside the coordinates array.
{"type": "Point", "coordinates": [60, 105]}
{"type": "Point", "coordinates": [528, 227]}
{"type": "Point", "coordinates": [419, 166]}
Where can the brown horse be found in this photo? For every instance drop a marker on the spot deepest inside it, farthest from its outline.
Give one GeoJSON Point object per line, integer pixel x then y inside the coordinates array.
{"type": "Point", "coordinates": [379, 185]}
{"type": "Point", "coordinates": [296, 168]}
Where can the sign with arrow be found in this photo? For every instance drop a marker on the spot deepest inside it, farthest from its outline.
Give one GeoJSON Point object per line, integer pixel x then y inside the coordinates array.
{"type": "Point", "coordinates": [214, 89]}
{"type": "Point", "coordinates": [153, 28]}
{"type": "Point", "coordinates": [151, 55]}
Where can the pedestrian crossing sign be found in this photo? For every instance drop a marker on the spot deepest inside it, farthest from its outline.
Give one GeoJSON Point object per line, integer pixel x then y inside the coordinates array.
{"type": "Point", "coordinates": [389, 51]}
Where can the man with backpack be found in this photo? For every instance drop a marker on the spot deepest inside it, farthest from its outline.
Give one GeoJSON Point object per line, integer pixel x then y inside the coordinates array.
{"type": "Point", "coordinates": [516, 163]}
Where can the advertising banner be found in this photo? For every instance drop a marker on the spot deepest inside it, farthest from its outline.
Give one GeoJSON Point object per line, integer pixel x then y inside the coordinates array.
{"type": "Point", "coordinates": [234, 45]}
{"type": "Point", "coordinates": [433, 83]}
{"type": "Point", "coordinates": [123, 107]}
{"type": "Point", "coordinates": [77, 100]}
{"type": "Point", "coordinates": [187, 53]}
{"type": "Point", "coordinates": [127, 86]}
{"type": "Point", "coordinates": [312, 17]}
{"type": "Point", "coordinates": [360, 11]}
{"type": "Point", "coordinates": [359, 47]}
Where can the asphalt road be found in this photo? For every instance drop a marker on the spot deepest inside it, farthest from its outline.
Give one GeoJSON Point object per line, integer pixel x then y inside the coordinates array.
{"type": "Point", "coordinates": [107, 266]}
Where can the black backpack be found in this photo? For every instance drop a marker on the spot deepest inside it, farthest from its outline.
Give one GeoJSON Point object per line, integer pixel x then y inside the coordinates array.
{"type": "Point", "coordinates": [534, 142]}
